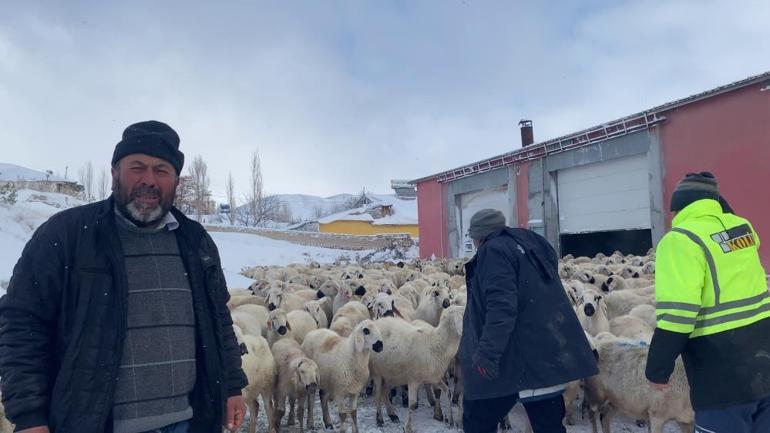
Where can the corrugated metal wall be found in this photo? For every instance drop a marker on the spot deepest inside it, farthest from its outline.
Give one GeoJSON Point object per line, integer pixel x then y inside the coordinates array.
{"type": "Point", "coordinates": [432, 217]}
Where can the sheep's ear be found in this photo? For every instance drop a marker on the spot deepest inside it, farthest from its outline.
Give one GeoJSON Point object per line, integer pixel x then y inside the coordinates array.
{"type": "Point", "coordinates": [288, 326]}
{"type": "Point", "coordinates": [358, 341]}
{"type": "Point", "coordinates": [395, 310]}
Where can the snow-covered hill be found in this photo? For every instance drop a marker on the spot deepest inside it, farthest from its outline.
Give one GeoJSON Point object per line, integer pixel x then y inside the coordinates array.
{"type": "Point", "coordinates": [12, 172]}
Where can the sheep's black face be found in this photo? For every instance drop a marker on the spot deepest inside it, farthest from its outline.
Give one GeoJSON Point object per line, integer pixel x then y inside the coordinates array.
{"type": "Point", "coordinates": [271, 306]}
{"type": "Point", "coordinates": [636, 274]}
{"type": "Point", "coordinates": [589, 310]}
{"type": "Point", "coordinates": [400, 265]}
{"type": "Point", "coordinates": [605, 288]}
{"type": "Point", "coordinates": [377, 347]}
{"type": "Point", "coordinates": [388, 313]}
{"type": "Point", "coordinates": [592, 280]}
{"type": "Point", "coordinates": [367, 331]}
{"type": "Point", "coordinates": [319, 294]}
{"type": "Point", "coordinates": [282, 330]}
{"type": "Point", "coordinates": [446, 303]}
{"type": "Point", "coordinates": [360, 276]}
{"type": "Point", "coordinates": [244, 349]}
{"type": "Point", "coordinates": [360, 291]}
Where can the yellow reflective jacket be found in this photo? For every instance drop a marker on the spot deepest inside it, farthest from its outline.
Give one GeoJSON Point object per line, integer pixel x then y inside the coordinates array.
{"type": "Point", "coordinates": [708, 275]}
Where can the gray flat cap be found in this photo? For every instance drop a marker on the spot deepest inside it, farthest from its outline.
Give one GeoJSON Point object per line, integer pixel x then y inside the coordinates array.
{"type": "Point", "coordinates": [485, 222]}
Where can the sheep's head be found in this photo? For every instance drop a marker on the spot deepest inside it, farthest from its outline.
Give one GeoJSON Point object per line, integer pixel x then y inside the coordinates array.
{"type": "Point", "coordinates": [649, 268]}
{"type": "Point", "coordinates": [586, 277]}
{"type": "Point", "coordinates": [591, 302]}
{"type": "Point", "coordinates": [307, 374]}
{"type": "Point", "coordinates": [567, 270]}
{"type": "Point", "coordinates": [387, 287]}
{"type": "Point", "coordinates": [316, 311]}
{"type": "Point", "coordinates": [368, 300]}
{"type": "Point", "coordinates": [629, 272]}
{"type": "Point", "coordinates": [439, 296]}
{"type": "Point", "coordinates": [277, 322]}
{"type": "Point", "coordinates": [329, 288]}
{"type": "Point", "coordinates": [367, 337]}
{"type": "Point", "coordinates": [259, 286]}
{"type": "Point", "coordinates": [614, 282]}
{"type": "Point", "coordinates": [274, 299]}
{"type": "Point", "coordinates": [385, 306]}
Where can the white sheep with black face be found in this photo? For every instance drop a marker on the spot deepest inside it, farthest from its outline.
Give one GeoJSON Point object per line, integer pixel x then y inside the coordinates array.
{"type": "Point", "coordinates": [298, 379]}
{"type": "Point", "coordinates": [592, 312]}
{"type": "Point", "coordinates": [343, 364]}
{"type": "Point", "coordinates": [294, 324]}
{"type": "Point", "coordinates": [385, 305]}
{"type": "Point", "coordinates": [433, 302]}
{"type": "Point", "coordinates": [258, 364]}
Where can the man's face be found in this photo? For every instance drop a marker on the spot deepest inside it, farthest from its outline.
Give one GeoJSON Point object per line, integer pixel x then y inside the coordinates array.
{"type": "Point", "coordinates": [144, 188]}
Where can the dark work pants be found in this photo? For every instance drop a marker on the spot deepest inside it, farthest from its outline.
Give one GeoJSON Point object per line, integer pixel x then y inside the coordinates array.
{"type": "Point", "coordinates": [744, 418]}
{"type": "Point", "coordinates": [483, 416]}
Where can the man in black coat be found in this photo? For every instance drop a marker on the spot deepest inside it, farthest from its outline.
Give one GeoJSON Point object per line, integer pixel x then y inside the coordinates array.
{"type": "Point", "coordinates": [115, 319]}
{"type": "Point", "coordinates": [521, 338]}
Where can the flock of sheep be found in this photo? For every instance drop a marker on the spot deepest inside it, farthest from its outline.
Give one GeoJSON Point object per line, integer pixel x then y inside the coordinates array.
{"type": "Point", "coordinates": [382, 328]}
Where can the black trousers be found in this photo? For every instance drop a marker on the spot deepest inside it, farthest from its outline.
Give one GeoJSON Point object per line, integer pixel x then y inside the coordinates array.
{"type": "Point", "coordinates": [483, 416]}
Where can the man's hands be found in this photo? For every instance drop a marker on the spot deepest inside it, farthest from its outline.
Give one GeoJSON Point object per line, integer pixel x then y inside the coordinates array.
{"type": "Point", "coordinates": [484, 367]}
{"type": "Point", "coordinates": [660, 386]}
{"type": "Point", "coordinates": [236, 411]}
{"type": "Point", "coordinates": [41, 429]}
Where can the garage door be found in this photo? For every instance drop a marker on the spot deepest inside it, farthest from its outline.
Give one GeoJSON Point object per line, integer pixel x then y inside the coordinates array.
{"type": "Point", "coordinates": [610, 195]}
{"type": "Point", "coordinates": [470, 203]}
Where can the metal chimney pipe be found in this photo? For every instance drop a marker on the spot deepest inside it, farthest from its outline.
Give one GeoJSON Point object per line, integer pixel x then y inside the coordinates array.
{"type": "Point", "coordinates": [527, 134]}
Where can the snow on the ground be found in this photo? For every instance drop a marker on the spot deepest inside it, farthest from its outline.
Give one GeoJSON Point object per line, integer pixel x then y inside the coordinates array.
{"type": "Point", "coordinates": [423, 421]}
{"type": "Point", "coordinates": [240, 250]}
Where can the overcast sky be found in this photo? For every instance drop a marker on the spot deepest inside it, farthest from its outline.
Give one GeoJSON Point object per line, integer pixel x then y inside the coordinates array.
{"type": "Point", "coordinates": [340, 95]}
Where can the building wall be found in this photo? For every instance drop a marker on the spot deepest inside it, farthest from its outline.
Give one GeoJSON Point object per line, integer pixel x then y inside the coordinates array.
{"type": "Point", "coordinates": [432, 218]}
{"type": "Point", "coordinates": [367, 228]}
{"type": "Point", "coordinates": [521, 176]}
{"type": "Point", "coordinates": [729, 135]}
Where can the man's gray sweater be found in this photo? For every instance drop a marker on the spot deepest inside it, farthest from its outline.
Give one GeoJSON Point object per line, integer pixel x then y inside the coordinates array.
{"type": "Point", "coordinates": [157, 371]}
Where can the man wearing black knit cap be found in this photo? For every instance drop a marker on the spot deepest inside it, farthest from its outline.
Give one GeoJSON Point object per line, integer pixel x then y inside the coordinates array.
{"type": "Point", "coordinates": [115, 318]}
{"type": "Point", "coordinates": [521, 338]}
{"type": "Point", "coordinates": [713, 309]}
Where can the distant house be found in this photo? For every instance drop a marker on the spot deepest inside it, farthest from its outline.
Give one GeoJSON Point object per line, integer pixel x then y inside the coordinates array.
{"type": "Point", "coordinates": [374, 215]}
{"type": "Point", "coordinates": [25, 178]}
{"type": "Point", "coordinates": [405, 189]}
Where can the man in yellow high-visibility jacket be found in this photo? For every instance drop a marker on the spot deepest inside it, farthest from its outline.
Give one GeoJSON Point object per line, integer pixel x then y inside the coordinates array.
{"type": "Point", "coordinates": [713, 308]}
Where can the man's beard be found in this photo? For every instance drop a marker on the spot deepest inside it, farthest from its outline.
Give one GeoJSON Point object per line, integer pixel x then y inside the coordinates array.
{"type": "Point", "coordinates": [141, 214]}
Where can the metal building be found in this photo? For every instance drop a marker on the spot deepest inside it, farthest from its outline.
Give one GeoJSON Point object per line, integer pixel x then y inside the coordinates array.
{"type": "Point", "coordinates": [608, 187]}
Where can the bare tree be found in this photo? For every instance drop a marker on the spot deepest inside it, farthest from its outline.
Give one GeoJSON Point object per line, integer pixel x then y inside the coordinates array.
{"type": "Point", "coordinates": [230, 190]}
{"type": "Point", "coordinates": [183, 199]}
{"type": "Point", "coordinates": [86, 177]}
{"type": "Point", "coordinates": [200, 185]}
{"type": "Point", "coordinates": [104, 184]}
{"type": "Point", "coordinates": [254, 198]}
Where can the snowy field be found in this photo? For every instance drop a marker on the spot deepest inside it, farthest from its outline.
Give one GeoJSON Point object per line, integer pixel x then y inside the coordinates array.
{"type": "Point", "coordinates": [238, 250]}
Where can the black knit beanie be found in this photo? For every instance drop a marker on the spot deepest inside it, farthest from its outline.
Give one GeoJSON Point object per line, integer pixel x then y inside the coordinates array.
{"type": "Point", "coordinates": [484, 222]}
{"type": "Point", "coordinates": [694, 187]}
{"type": "Point", "coordinates": [151, 138]}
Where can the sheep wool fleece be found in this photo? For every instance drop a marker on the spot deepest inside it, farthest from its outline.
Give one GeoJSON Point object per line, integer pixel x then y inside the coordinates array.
{"type": "Point", "coordinates": [157, 370]}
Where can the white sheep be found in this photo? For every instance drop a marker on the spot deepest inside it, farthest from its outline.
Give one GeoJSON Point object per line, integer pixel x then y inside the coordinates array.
{"type": "Point", "coordinates": [248, 323]}
{"type": "Point", "coordinates": [259, 366]}
{"type": "Point", "coordinates": [617, 282]}
{"type": "Point", "coordinates": [287, 301]}
{"type": "Point", "coordinates": [415, 356]}
{"type": "Point", "coordinates": [343, 364]}
{"type": "Point", "coordinates": [646, 313]}
{"type": "Point", "coordinates": [621, 386]}
{"type": "Point", "coordinates": [257, 311]}
{"type": "Point", "coordinates": [5, 425]}
{"type": "Point", "coordinates": [238, 300]}
{"type": "Point", "coordinates": [348, 316]}
{"type": "Point", "coordinates": [349, 291]}
{"type": "Point", "coordinates": [592, 312]}
{"type": "Point", "coordinates": [621, 302]}
{"type": "Point", "coordinates": [385, 305]}
{"type": "Point", "coordinates": [294, 324]}
{"type": "Point", "coordinates": [433, 303]}
{"type": "Point", "coordinates": [317, 310]}
{"type": "Point", "coordinates": [297, 381]}
{"type": "Point", "coordinates": [632, 328]}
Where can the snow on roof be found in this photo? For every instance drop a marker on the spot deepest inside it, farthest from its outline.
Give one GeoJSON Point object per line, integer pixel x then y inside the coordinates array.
{"type": "Point", "coordinates": [13, 172]}
{"type": "Point", "coordinates": [404, 212]}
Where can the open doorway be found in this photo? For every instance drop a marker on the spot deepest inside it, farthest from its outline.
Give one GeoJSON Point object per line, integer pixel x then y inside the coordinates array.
{"type": "Point", "coordinates": [636, 242]}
